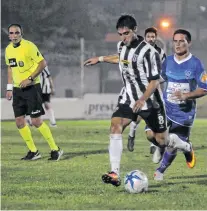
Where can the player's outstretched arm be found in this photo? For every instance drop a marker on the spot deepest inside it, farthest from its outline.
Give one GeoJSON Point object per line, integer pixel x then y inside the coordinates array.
{"type": "Point", "coordinates": [113, 59]}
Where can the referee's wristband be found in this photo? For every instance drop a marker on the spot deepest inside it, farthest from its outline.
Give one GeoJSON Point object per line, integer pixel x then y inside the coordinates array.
{"type": "Point", "coordinates": [9, 87]}
{"type": "Point", "coordinates": [100, 58]}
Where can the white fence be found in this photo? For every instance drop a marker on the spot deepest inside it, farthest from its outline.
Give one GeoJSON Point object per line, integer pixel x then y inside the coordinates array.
{"type": "Point", "coordinates": [92, 106]}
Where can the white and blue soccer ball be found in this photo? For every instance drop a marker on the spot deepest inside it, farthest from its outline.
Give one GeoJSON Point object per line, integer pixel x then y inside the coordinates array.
{"type": "Point", "coordinates": [136, 182]}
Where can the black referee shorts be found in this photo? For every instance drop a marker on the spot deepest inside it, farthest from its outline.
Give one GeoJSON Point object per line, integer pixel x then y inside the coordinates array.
{"type": "Point", "coordinates": [28, 101]}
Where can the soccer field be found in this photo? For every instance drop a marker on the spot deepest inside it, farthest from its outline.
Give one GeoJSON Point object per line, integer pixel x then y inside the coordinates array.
{"type": "Point", "coordinates": [74, 182]}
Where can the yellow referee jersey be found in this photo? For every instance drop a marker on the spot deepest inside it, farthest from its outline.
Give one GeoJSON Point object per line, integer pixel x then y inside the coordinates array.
{"type": "Point", "coordinates": [23, 61]}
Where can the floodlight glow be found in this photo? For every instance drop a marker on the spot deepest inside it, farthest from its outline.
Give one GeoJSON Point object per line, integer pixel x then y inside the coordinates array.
{"type": "Point", "coordinates": [165, 24]}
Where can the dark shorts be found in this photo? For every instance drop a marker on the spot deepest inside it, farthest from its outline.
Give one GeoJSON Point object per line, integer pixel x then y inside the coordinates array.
{"type": "Point", "coordinates": [181, 131]}
{"type": "Point", "coordinates": [124, 111]}
{"type": "Point", "coordinates": [45, 98]}
{"type": "Point", "coordinates": [154, 118]}
{"type": "Point", "coordinates": [28, 101]}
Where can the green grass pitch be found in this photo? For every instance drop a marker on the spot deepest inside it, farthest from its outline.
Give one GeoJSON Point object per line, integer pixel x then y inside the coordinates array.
{"type": "Point", "coordinates": [74, 182]}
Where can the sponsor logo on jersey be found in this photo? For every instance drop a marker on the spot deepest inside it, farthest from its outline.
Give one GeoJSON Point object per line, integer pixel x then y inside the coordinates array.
{"type": "Point", "coordinates": [21, 63]}
{"type": "Point", "coordinates": [125, 68]}
{"type": "Point", "coordinates": [125, 61]}
{"type": "Point", "coordinates": [187, 74]}
{"type": "Point", "coordinates": [12, 62]}
{"type": "Point", "coordinates": [120, 48]}
{"type": "Point", "coordinates": [204, 77]}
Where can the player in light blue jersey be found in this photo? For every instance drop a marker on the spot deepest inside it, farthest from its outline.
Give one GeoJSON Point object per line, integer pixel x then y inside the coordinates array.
{"type": "Point", "coordinates": [186, 80]}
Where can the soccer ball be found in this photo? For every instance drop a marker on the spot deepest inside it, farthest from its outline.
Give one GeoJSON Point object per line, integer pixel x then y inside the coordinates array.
{"type": "Point", "coordinates": [136, 182]}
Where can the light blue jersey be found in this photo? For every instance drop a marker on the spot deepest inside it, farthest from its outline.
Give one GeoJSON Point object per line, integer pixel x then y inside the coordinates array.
{"type": "Point", "coordinates": [185, 76]}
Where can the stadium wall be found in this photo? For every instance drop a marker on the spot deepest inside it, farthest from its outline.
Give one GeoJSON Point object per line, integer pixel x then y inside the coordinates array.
{"type": "Point", "coordinates": [92, 106]}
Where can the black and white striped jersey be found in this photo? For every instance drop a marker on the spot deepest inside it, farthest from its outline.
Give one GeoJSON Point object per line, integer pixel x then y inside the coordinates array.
{"type": "Point", "coordinates": [161, 53]}
{"type": "Point", "coordinates": [45, 82]}
{"type": "Point", "coordinates": [139, 64]}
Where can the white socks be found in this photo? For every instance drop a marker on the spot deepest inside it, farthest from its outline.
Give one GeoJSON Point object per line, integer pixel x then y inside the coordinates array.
{"type": "Point", "coordinates": [133, 128]}
{"type": "Point", "coordinates": [177, 143]}
{"type": "Point", "coordinates": [51, 115]}
{"type": "Point", "coordinates": [115, 152]}
{"type": "Point", "coordinates": [28, 120]}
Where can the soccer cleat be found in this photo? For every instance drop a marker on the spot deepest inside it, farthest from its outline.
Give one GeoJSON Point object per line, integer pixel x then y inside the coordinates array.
{"type": "Point", "coordinates": [53, 125]}
{"type": "Point", "coordinates": [130, 144]}
{"type": "Point", "coordinates": [158, 176]}
{"type": "Point", "coordinates": [56, 154]}
{"type": "Point", "coordinates": [190, 158]}
{"type": "Point", "coordinates": [152, 149]}
{"type": "Point", "coordinates": [111, 178]}
{"type": "Point", "coordinates": [32, 156]}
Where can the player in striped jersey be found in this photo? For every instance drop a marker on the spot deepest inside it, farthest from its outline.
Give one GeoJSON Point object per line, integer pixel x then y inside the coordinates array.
{"type": "Point", "coordinates": [47, 86]}
{"type": "Point", "coordinates": [151, 38]}
{"type": "Point", "coordinates": [140, 67]}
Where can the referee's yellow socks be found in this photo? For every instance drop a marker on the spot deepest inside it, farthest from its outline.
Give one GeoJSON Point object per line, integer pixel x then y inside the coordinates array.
{"type": "Point", "coordinates": [25, 132]}
{"type": "Point", "coordinates": [46, 133]}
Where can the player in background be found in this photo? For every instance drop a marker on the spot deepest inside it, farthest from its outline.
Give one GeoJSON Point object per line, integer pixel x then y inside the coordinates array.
{"type": "Point", "coordinates": [150, 36]}
{"type": "Point", "coordinates": [186, 80]}
{"type": "Point", "coordinates": [47, 87]}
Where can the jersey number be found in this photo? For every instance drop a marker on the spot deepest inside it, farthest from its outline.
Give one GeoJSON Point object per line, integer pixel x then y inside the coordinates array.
{"type": "Point", "coordinates": [161, 120]}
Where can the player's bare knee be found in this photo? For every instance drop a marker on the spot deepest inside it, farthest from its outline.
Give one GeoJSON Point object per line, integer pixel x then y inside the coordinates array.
{"type": "Point", "coordinates": [150, 135]}
{"type": "Point", "coordinates": [116, 129]}
{"type": "Point", "coordinates": [36, 122]}
{"type": "Point", "coordinates": [20, 122]}
{"type": "Point", "coordinates": [116, 126]}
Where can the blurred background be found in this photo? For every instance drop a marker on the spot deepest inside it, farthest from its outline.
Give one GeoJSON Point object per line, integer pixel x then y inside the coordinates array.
{"type": "Point", "coordinates": [68, 31]}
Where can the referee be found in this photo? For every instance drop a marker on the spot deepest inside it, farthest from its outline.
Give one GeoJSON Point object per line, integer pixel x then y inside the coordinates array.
{"type": "Point", "coordinates": [25, 63]}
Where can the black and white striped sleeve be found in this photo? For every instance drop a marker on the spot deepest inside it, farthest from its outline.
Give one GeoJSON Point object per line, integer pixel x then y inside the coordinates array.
{"type": "Point", "coordinates": [162, 55]}
{"type": "Point", "coordinates": [152, 64]}
{"type": "Point", "coordinates": [119, 47]}
{"type": "Point", "coordinates": [46, 71]}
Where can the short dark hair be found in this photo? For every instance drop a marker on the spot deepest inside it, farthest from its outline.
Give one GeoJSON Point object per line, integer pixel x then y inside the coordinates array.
{"type": "Point", "coordinates": [184, 32]}
{"type": "Point", "coordinates": [17, 25]}
{"type": "Point", "coordinates": [151, 29]}
{"type": "Point", "coordinates": [126, 21]}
